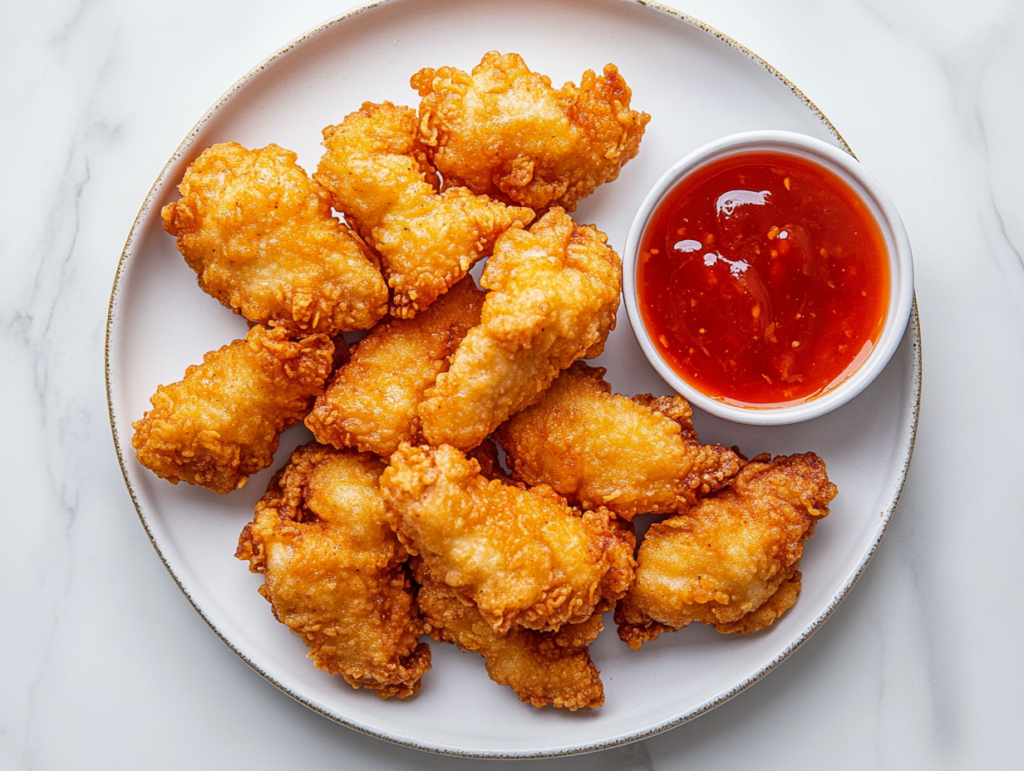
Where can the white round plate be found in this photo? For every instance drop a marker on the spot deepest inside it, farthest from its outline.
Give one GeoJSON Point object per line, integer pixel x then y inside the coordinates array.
{"type": "Point", "coordinates": [697, 85]}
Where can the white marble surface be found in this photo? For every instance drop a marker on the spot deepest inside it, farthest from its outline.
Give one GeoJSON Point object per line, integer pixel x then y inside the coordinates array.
{"type": "Point", "coordinates": [103, 662]}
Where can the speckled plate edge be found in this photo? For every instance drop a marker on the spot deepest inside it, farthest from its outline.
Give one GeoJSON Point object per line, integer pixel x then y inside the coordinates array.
{"type": "Point", "coordinates": [913, 329]}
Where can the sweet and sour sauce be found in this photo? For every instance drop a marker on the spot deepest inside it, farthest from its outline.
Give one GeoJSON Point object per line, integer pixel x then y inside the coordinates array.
{"type": "Point", "coordinates": [763, 279]}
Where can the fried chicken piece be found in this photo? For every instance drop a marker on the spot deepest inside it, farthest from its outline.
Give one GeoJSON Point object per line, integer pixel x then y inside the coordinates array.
{"type": "Point", "coordinates": [541, 667]}
{"type": "Point", "coordinates": [554, 294]}
{"type": "Point", "coordinates": [378, 175]}
{"type": "Point", "coordinates": [731, 560]}
{"type": "Point", "coordinates": [520, 556]}
{"type": "Point", "coordinates": [598, 449]}
{"type": "Point", "coordinates": [371, 402]}
{"type": "Point", "coordinates": [222, 421]}
{"type": "Point", "coordinates": [504, 131]}
{"type": "Point", "coordinates": [262, 239]}
{"type": "Point", "coordinates": [333, 570]}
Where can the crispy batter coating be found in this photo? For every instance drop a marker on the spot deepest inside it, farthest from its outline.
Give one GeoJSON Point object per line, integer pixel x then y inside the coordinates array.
{"type": "Point", "coordinates": [504, 131]}
{"type": "Point", "coordinates": [598, 449]}
{"type": "Point", "coordinates": [222, 421]}
{"type": "Point", "coordinates": [731, 560]}
{"type": "Point", "coordinates": [520, 556]}
{"type": "Point", "coordinates": [371, 402]}
{"type": "Point", "coordinates": [333, 570]}
{"type": "Point", "coordinates": [262, 238]}
{"type": "Point", "coordinates": [377, 174]}
{"type": "Point", "coordinates": [541, 667]}
{"type": "Point", "coordinates": [554, 294]}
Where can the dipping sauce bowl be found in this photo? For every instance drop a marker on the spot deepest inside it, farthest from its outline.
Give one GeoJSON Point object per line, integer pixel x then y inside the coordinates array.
{"type": "Point", "coordinates": [768, 278]}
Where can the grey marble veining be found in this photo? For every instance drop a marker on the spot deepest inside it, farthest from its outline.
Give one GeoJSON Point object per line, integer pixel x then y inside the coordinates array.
{"type": "Point", "coordinates": [104, 664]}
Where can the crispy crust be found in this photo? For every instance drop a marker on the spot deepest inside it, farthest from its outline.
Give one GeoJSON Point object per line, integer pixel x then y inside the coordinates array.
{"type": "Point", "coordinates": [371, 403]}
{"type": "Point", "coordinates": [333, 570]}
{"type": "Point", "coordinates": [554, 292]}
{"type": "Point", "coordinates": [221, 423]}
{"type": "Point", "coordinates": [731, 560]}
{"type": "Point", "coordinates": [481, 130]}
{"type": "Point", "coordinates": [377, 174]}
{"type": "Point", "coordinates": [541, 667]}
{"type": "Point", "coordinates": [261, 238]}
{"type": "Point", "coordinates": [519, 556]}
{"type": "Point", "coordinates": [601, 449]}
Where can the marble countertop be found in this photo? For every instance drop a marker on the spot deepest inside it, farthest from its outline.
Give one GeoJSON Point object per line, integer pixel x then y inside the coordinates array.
{"type": "Point", "coordinates": [105, 664]}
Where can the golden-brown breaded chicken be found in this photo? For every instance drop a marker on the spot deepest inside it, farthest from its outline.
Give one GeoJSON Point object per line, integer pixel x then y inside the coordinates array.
{"type": "Point", "coordinates": [554, 294]}
{"type": "Point", "coordinates": [262, 238]}
{"type": "Point", "coordinates": [731, 560]}
{"type": "Point", "coordinates": [504, 131]}
{"type": "Point", "coordinates": [371, 402]}
{"type": "Point", "coordinates": [379, 178]}
{"type": "Point", "coordinates": [598, 449]}
{"type": "Point", "coordinates": [333, 570]}
{"type": "Point", "coordinates": [520, 556]}
{"type": "Point", "coordinates": [221, 423]}
{"type": "Point", "coordinates": [541, 667]}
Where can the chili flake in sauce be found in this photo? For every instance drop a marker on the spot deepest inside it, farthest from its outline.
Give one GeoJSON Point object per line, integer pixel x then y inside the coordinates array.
{"type": "Point", "coordinates": [763, 279]}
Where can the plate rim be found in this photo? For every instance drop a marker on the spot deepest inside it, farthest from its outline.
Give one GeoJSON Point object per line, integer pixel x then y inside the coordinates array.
{"type": "Point", "coordinates": [913, 329]}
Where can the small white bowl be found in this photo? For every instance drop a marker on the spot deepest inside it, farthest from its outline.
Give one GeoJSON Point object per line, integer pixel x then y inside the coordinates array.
{"type": "Point", "coordinates": [901, 271]}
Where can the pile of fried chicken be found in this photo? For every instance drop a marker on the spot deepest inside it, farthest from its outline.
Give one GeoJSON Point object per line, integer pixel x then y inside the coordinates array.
{"type": "Point", "coordinates": [402, 517]}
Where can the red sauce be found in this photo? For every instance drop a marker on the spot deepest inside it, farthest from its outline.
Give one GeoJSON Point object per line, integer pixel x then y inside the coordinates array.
{"type": "Point", "coordinates": [763, 280]}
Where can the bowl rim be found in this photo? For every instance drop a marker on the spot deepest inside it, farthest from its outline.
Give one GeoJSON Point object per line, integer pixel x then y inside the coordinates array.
{"type": "Point", "coordinates": [901, 270]}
